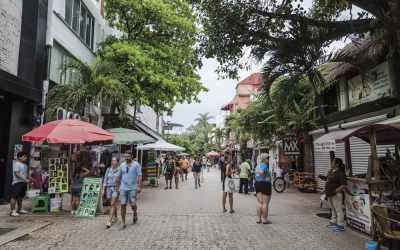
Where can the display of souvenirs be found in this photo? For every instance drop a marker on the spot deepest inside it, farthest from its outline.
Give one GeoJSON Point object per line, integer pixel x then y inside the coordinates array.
{"type": "Point", "coordinates": [58, 175]}
{"type": "Point", "coordinates": [89, 197]}
{"type": "Point", "coordinates": [152, 168]}
{"type": "Point", "coordinates": [105, 158]}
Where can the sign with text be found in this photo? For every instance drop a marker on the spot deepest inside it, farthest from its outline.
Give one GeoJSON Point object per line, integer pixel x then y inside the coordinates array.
{"type": "Point", "coordinates": [329, 145]}
{"type": "Point", "coordinates": [290, 145]}
{"type": "Point", "coordinates": [358, 93]}
{"type": "Point", "coordinates": [357, 207]}
{"type": "Point", "coordinates": [90, 197]}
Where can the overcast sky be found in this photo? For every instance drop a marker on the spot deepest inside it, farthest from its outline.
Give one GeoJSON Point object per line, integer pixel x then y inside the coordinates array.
{"type": "Point", "coordinates": [220, 91]}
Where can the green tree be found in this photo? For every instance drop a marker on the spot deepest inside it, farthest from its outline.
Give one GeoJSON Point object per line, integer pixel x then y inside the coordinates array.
{"type": "Point", "coordinates": [184, 143]}
{"type": "Point", "coordinates": [88, 83]}
{"type": "Point", "coordinates": [302, 55]}
{"type": "Point", "coordinates": [202, 120]}
{"type": "Point", "coordinates": [155, 54]}
{"type": "Point", "coordinates": [234, 30]}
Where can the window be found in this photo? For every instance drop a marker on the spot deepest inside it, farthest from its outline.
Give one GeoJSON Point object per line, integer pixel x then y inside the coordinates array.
{"type": "Point", "coordinates": [68, 11]}
{"type": "Point", "coordinates": [79, 19]}
{"type": "Point", "coordinates": [58, 55]}
{"type": "Point", "coordinates": [75, 15]}
{"type": "Point", "coordinates": [82, 23]}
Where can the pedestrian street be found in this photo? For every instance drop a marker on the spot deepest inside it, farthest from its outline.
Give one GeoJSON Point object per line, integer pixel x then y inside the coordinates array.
{"type": "Point", "coordinates": [189, 218]}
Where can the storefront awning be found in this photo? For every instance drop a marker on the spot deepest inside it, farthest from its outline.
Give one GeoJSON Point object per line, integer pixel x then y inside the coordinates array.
{"type": "Point", "coordinates": [384, 135]}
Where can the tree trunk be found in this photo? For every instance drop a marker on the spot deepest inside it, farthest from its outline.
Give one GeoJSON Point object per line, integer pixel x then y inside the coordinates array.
{"type": "Point", "coordinates": [134, 116]}
{"type": "Point", "coordinates": [321, 113]}
{"type": "Point", "coordinates": [90, 110]}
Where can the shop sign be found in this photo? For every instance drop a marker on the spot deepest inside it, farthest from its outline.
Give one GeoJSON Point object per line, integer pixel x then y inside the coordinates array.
{"type": "Point", "coordinates": [343, 93]}
{"type": "Point", "coordinates": [290, 145]}
{"type": "Point", "coordinates": [90, 197]}
{"type": "Point", "coordinates": [358, 214]}
{"type": "Point", "coordinates": [380, 87]}
{"type": "Point", "coordinates": [329, 145]}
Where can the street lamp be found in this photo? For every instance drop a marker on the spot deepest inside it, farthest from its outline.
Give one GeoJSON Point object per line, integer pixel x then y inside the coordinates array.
{"type": "Point", "coordinates": [168, 122]}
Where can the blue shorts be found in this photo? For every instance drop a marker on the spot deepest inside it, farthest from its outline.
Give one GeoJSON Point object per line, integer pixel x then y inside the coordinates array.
{"type": "Point", "coordinates": [76, 192]}
{"type": "Point", "coordinates": [124, 194]}
{"type": "Point", "coordinates": [111, 192]}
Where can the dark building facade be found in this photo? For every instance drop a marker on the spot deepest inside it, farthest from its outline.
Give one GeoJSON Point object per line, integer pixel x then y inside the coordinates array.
{"type": "Point", "coordinates": [23, 64]}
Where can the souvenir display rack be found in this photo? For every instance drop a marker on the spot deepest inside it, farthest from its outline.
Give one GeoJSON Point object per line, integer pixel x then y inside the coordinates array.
{"type": "Point", "coordinates": [152, 168]}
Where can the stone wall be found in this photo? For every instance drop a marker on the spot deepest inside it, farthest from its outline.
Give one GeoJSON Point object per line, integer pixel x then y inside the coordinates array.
{"type": "Point", "coordinates": [10, 34]}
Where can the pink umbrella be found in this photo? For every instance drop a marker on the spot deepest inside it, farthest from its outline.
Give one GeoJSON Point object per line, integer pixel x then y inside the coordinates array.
{"type": "Point", "coordinates": [68, 131]}
{"type": "Point", "coordinates": [213, 154]}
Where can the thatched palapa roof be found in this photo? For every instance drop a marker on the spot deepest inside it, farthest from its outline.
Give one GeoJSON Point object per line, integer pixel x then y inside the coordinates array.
{"type": "Point", "coordinates": [368, 47]}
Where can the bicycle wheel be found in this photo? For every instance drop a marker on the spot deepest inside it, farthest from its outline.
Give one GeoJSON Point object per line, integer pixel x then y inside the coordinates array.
{"type": "Point", "coordinates": [279, 184]}
{"type": "Point", "coordinates": [235, 175]}
{"type": "Point", "coordinates": [309, 189]}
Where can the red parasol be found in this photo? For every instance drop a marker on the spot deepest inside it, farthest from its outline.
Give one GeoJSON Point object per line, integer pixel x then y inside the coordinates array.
{"type": "Point", "coordinates": [213, 154]}
{"type": "Point", "coordinates": [68, 131]}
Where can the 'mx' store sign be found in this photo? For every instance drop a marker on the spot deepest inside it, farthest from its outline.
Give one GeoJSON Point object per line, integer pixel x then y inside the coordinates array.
{"type": "Point", "coordinates": [290, 145]}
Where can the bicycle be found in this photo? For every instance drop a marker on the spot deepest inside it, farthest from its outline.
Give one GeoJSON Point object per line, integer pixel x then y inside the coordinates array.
{"type": "Point", "coordinates": [304, 181]}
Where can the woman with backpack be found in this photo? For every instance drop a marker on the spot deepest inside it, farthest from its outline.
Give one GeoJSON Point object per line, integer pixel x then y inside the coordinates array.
{"type": "Point", "coordinates": [76, 187]}
{"type": "Point", "coordinates": [109, 185]}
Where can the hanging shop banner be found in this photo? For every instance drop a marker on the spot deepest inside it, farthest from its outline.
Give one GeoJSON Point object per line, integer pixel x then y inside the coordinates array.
{"type": "Point", "coordinates": [359, 94]}
{"type": "Point", "coordinates": [58, 175]}
{"type": "Point", "coordinates": [357, 207]}
{"type": "Point", "coordinates": [89, 197]}
{"type": "Point", "coordinates": [329, 145]}
{"type": "Point", "coordinates": [290, 145]}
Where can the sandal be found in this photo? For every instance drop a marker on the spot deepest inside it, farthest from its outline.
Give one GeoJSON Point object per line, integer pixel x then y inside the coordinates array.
{"type": "Point", "coordinates": [224, 210]}
{"type": "Point", "coordinates": [232, 212]}
{"type": "Point", "coordinates": [258, 222]}
{"type": "Point", "coordinates": [166, 188]}
{"type": "Point", "coordinates": [176, 188]}
{"type": "Point", "coordinates": [268, 222]}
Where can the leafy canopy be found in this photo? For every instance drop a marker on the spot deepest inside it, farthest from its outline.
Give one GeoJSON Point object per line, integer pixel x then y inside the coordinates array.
{"type": "Point", "coordinates": [88, 83]}
{"type": "Point", "coordinates": [234, 30]}
{"type": "Point", "coordinates": [155, 55]}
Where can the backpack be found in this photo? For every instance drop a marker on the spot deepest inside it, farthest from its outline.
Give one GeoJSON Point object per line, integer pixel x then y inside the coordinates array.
{"type": "Point", "coordinates": [222, 160]}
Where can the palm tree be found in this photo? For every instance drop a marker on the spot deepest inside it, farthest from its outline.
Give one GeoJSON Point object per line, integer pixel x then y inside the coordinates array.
{"type": "Point", "coordinates": [218, 135]}
{"type": "Point", "coordinates": [203, 119]}
{"type": "Point", "coordinates": [89, 83]}
{"type": "Point", "coordinates": [298, 58]}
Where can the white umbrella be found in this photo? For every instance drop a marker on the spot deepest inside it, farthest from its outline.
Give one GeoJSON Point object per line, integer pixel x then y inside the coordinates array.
{"type": "Point", "coordinates": [161, 145]}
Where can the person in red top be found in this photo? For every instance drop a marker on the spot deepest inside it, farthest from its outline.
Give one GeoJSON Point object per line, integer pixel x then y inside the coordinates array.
{"type": "Point", "coordinates": [336, 182]}
{"type": "Point", "coordinates": [184, 165]}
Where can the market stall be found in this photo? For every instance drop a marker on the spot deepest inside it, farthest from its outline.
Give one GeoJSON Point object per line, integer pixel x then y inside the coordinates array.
{"type": "Point", "coordinates": [363, 190]}
{"type": "Point", "coordinates": [150, 164]}
{"type": "Point", "coordinates": [64, 133]}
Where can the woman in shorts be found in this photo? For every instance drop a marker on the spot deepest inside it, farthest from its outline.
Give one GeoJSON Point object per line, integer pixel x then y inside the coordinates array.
{"type": "Point", "coordinates": [177, 171]}
{"type": "Point", "coordinates": [263, 188]}
{"type": "Point", "coordinates": [109, 188]}
{"type": "Point", "coordinates": [169, 171]}
{"type": "Point", "coordinates": [76, 187]}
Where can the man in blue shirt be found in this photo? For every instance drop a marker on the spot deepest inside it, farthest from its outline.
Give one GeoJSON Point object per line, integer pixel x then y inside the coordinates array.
{"type": "Point", "coordinates": [129, 182]}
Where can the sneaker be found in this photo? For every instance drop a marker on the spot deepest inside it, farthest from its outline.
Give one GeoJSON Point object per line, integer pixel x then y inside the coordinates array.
{"type": "Point", "coordinates": [73, 212]}
{"type": "Point", "coordinates": [108, 225]}
{"type": "Point", "coordinates": [114, 219]}
{"type": "Point", "coordinates": [14, 213]}
{"type": "Point", "coordinates": [186, 178]}
{"type": "Point", "coordinates": [331, 225]}
{"type": "Point", "coordinates": [135, 218]}
{"type": "Point", "coordinates": [122, 227]}
{"type": "Point", "coordinates": [199, 185]}
{"type": "Point", "coordinates": [170, 187]}
{"type": "Point", "coordinates": [22, 211]}
{"type": "Point", "coordinates": [338, 228]}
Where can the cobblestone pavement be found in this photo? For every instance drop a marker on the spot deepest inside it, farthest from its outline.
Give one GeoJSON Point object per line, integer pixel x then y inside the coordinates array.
{"type": "Point", "coordinates": [191, 218]}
